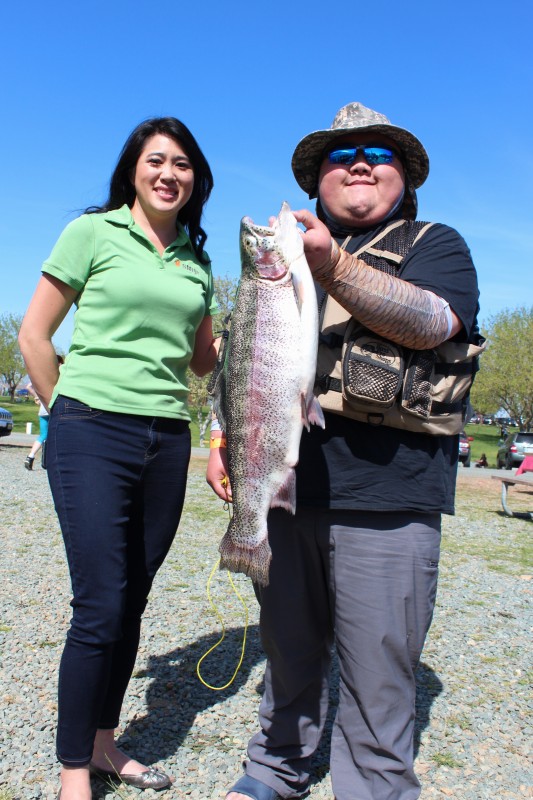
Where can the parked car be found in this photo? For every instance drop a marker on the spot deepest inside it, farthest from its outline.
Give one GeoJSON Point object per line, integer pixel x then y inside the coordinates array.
{"type": "Point", "coordinates": [515, 447]}
{"type": "Point", "coordinates": [503, 421]}
{"type": "Point", "coordinates": [6, 422]}
{"type": "Point", "coordinates": [464, 448]}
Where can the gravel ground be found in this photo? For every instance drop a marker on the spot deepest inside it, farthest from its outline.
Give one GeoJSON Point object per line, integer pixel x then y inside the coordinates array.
{"type": "Point", "coordinates": [473, 731]}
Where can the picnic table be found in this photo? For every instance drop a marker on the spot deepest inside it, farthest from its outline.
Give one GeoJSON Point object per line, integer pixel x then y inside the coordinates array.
{"type": "Point", "coordinates": [506, 484]}
{"type": "Point", "coordinates": [525, 466]}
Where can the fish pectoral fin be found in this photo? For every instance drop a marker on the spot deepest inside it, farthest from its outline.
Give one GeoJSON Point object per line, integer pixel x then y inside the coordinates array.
{"type": "Point", "coordinates": [252, 561]}
{"type": "Point", "coordinates": [312, 413]}
{"type": "Point", "coordinates": [285, 497]}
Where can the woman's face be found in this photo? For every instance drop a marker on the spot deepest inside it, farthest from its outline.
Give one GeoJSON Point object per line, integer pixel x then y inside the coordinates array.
{"type": "Point", "coordinates": [360, 195]}
{"type": "Point", "coordinates": [163, 178]}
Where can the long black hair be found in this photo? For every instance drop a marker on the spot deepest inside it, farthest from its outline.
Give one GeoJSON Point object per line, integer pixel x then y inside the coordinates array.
{"type": "Point", "coordinates": [122, 190]}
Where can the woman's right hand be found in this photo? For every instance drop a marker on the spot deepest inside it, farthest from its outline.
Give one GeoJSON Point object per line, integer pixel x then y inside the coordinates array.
{"type": "Point", "coordinates": [217, 473]}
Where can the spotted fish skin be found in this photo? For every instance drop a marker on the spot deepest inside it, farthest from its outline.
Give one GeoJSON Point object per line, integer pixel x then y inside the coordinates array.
{"type": "Point", "coordinates": [267, 387]}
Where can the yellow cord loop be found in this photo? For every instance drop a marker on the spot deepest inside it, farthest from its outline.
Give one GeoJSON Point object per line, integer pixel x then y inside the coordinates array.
{"type": "Point", "coordinates": [215, 609]}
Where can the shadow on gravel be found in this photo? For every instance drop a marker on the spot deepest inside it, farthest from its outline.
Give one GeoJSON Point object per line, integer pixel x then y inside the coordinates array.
{"type": "Point", "coordinates": [175, 696]}
{"type": "Point", "coordinates": [428, 687]}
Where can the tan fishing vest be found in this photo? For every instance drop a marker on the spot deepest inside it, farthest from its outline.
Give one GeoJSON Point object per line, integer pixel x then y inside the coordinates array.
{"type": "Point", "coordinates": [368, 378]}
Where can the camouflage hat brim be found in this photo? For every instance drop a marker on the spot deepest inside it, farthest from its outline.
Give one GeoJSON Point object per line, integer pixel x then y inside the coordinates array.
{"type": "Point", "coordinates": [356, 118]}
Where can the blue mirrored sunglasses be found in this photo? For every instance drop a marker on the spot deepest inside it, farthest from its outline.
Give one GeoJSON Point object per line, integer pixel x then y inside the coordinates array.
{"type": "Point", "coordinates": [373, 155]}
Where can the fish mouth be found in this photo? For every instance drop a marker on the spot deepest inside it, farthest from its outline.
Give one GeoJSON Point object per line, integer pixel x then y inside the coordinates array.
{"type": "Point", "coordinates": [258, 242]}
{"type": "Point", "coordinates": [270, 265]}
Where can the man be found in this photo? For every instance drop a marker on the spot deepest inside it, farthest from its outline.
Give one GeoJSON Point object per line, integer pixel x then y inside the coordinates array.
{"type": "Point", "coordinates": [357, 564]}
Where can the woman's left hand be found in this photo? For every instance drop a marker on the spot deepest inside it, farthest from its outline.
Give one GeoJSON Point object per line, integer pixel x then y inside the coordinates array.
{"type": "Point", "coordinates": [217, 473]}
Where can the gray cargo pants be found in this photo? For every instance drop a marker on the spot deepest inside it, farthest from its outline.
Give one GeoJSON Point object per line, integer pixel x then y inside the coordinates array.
{"type": "Point", "coordinates": [365, 581]}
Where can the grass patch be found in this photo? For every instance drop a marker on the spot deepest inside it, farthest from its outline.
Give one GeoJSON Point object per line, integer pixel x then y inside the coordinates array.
{"type": "Point", "coordinates": [460, 721]}
{"type": "Point", "coordinates": [504, 544]}
{"type": "Point", "coordinates": [28, 411]}
{"type": "Point", "coordinates": [512, 558]}
{"type": "Point", "coordinates": [446, 760]}
{"type": "Point", "coordinates": [486, 440]}
{"type": "Point", "coordinates": [526, 679]}
{"type": "Point", "coordinates": [23, 412]}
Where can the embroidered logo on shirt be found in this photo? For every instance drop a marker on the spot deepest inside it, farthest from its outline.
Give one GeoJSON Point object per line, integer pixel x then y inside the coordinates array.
{"type": "Point", "coordinates": [190, 268]}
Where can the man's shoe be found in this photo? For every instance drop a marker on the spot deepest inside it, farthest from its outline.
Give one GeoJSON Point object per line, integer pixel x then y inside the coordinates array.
{"type": "Point", "coordinates": [254, 789]}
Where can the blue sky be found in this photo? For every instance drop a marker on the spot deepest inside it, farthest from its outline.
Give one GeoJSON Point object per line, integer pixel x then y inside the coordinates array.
{"type": "Point", "coordinates": [250, 80]}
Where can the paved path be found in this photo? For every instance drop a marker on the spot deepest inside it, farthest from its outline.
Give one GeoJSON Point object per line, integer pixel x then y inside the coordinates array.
{"type": "Point", "coordinates": [25, 440]}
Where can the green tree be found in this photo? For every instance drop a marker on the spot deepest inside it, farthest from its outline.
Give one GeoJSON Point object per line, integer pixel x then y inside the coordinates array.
{"type": "Point", "coordinates": [225, 289]}
{"type": "Point", "coordinates": [12, 366]}
{"type": "Point", "coordinates": [506, 378]}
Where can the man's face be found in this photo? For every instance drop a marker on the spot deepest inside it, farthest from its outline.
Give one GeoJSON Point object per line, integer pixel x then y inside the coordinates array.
{"type": "Point", "coordinates": [361, 194]}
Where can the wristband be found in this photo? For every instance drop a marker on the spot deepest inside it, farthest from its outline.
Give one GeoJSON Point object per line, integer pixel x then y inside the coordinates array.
{"type": "Point", "coordinates": [217, 441]}
{"type": "Point", "coordinates": [333, 258]}
{"type": "Point", "coordinates": [335, 253]}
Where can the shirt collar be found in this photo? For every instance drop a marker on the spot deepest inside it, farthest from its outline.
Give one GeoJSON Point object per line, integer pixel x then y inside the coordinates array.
{"type": "Point", "coordinates": [123, 218]}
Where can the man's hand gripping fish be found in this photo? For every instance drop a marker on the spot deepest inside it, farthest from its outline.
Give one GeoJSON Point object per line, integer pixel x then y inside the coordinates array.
{"type": "Point", "coordinates": [266, 392]}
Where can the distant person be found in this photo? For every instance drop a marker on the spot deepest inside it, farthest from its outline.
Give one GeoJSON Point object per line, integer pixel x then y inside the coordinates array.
{"type": "Point", "coordinates": [44, 416]}
{"type": "Point", "coordinates": [43, 429]}
{"type": "Point", "coordinates": [119, 440]}
{"type": "Point", "coordinates": [482, 461]}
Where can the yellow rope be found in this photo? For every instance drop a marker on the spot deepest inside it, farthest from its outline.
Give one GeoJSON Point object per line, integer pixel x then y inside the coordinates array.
{"type": "Point", "coordinates": [215, 609]}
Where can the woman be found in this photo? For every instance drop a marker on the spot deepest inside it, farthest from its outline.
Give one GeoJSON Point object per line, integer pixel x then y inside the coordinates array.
{"type": "Point", "coordinates": [356, 566]}
{"type": "Point", "coordinates": [119, 440]}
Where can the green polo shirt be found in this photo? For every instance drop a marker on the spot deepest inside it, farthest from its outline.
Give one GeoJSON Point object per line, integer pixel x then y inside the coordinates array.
{"type": "Point", "coordinates": [136, 318]}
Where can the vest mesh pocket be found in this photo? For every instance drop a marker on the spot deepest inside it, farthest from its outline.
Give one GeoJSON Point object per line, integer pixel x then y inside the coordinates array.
{"type": "Point", "coordinates": [416, 396]}
{"type": "Point", "coordinates": [372, 369]}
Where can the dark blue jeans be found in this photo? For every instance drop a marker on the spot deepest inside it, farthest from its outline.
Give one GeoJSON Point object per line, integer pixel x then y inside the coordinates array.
{"type": "Point", "coordinates": [118, 483]}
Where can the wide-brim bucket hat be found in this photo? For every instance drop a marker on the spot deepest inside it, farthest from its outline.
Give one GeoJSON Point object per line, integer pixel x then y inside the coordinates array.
{"type": "Point", "coordinates": [357, 118]}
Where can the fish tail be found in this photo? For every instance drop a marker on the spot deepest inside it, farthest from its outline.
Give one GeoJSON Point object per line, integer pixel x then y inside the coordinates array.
{"type": "Point", "coordinates": [252, 561]}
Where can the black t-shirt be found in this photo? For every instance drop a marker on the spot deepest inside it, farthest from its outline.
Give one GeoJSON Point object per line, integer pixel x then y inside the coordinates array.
{"type": "Point", "coordinates": [353, 465]}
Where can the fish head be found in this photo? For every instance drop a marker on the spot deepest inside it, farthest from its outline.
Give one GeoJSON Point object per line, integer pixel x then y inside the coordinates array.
{"type": "Point", "coordinates": [261, 254]}
{"type": "Point", "coordinates": [267, 252]}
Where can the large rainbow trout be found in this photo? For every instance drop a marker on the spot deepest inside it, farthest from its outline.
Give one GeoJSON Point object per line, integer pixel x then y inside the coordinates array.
{"type": "Point", "coordinates": [265, 395]}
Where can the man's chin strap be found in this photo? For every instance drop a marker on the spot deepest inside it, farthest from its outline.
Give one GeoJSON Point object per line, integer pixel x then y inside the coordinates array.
{"type": "Point", "coordinates": [390, 307]}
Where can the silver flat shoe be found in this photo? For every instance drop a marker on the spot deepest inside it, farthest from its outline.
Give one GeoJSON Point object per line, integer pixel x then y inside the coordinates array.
{"type": "Point", "coordinates": [151, 778]}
